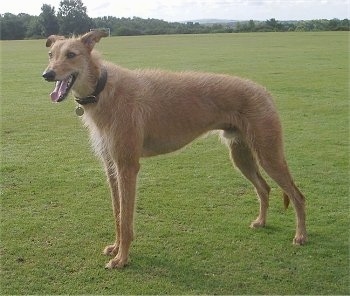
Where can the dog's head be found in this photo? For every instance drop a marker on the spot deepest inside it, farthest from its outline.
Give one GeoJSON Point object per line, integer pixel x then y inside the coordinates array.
{"type": "Point", "coordinates": [68, 58]}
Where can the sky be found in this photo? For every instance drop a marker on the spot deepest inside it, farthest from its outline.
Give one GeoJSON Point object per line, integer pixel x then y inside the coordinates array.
{"type": "Point", "coordinates": [186, 10]}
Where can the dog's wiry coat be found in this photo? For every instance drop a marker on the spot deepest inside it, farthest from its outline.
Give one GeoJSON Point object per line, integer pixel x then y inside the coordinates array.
{"type": "Point", "coordinates": [144, 113]}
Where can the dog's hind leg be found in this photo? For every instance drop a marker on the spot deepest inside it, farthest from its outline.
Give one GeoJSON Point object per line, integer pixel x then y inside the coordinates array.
{"type": "Point", "coordinates": [245, 161]}
{"type": "Point", "coordinates": [278, 170]}
{"type": "Point", "coordinates": [269, 149]}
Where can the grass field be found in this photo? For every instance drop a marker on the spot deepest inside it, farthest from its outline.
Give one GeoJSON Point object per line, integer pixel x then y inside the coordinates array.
{"type": "Point", "coordinates": [193, 209]}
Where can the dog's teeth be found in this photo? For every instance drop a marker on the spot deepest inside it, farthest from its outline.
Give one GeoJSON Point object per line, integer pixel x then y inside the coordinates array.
{"type": "Point", "coordinates": [70, 80]}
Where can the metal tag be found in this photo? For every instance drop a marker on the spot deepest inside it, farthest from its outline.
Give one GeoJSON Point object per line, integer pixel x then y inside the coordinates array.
{"type": "Point", "coordinates": [79, 111]}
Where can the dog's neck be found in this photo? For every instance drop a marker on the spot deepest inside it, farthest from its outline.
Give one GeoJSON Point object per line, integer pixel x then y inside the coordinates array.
{"type": "Point", "coordinates": [93, 98]}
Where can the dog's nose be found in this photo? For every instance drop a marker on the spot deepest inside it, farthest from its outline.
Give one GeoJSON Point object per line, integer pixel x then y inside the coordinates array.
{"type": "Point", "coordinates": [49, 75]}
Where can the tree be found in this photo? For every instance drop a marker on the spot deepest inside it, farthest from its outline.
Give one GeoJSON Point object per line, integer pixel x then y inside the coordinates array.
{"type": "Point", "coordinates": [12, 26]}
{"type": "Point", "coordinates": [251, 26]}
{"type": "Point", "coordinates": [274, 25]}
{"type": "Point", "coordinates": [72, 17]}
{"type": "Point", "coordinates": [344, 25]}
{"type": "Point", "coordinates": [34, 29]}
{"type": "Point", "coordinates": [48, 20]}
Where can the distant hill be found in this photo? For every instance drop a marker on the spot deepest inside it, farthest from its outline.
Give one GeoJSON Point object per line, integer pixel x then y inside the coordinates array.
{"type": "Point", "coordinates": [211, 21]}
{"type": "Point", "coordinates": [223, 21]}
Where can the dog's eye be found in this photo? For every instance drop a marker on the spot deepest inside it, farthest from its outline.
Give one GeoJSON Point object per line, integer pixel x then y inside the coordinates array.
{"type": "Point", "coordinates": [50, 55]}
{"type": "Point", "coordinates": [71, 55]}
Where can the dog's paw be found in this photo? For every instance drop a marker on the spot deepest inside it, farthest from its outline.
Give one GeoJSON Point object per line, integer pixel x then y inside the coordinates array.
{"type": "Point", "coordinates": [300, 239]}
{"type": "Point", "coordinates": [117, 263]}
{"type": "Point", "coordinates": [258, 223]}
{"type": "Point", "coordinates": [111, 250]}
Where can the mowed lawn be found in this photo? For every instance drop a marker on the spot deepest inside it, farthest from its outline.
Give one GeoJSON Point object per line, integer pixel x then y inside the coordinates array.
{"type": "Point", "coordinates": [193, 209]}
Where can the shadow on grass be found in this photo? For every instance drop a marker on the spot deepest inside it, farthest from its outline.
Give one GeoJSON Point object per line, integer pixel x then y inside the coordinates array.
{"type": "Point", "coordinates": [184, 276]}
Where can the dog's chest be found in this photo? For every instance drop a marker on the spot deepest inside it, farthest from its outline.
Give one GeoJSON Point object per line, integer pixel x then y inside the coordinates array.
{"type": "Point", "coordinates": [97, 137]}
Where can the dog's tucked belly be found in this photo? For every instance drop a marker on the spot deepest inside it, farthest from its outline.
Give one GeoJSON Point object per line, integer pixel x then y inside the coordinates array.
{"type": "Point", "coordinates": [177, 135]}
{"type": "Point", "coordinates": [152, 147]}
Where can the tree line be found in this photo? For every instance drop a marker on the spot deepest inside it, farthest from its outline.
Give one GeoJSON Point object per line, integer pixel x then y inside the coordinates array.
{"type": "Point", "coordinates": [72, 18]}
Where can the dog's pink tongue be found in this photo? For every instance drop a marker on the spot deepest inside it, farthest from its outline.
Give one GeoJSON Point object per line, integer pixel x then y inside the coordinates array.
{"type": "Point", "coordinates": [60, 89]}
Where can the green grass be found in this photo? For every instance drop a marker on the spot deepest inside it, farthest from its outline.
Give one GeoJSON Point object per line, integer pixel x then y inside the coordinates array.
{"type": "Point", "coordinates": [193, 209]}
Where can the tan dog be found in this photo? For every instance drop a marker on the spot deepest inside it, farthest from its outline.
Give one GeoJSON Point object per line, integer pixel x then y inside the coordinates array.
{"type": "Point", "coordinates": [140, 113]}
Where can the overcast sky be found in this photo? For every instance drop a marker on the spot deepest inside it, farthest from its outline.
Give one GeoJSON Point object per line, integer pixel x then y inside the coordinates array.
{"type": "Point", "coordinates": [183, 10]}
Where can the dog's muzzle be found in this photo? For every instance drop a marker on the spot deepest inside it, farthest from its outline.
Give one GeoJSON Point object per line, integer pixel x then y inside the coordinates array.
{"type": "Point", "coordinates": [49, 75]}
{"type": "Point", "coordinates": [62, 87]}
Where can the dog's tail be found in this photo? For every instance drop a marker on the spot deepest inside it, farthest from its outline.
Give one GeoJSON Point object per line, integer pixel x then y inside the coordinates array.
{"type": "Point", "coordinates": [298, 197]}
{"type": "Point", "coordinates": [286, 200]}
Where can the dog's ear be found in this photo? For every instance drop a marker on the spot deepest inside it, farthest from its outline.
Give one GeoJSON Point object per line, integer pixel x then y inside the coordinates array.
{"type": "Point", "coordinates": [52, 39]}
{"type": "Point", "coordinates": [91, 38]}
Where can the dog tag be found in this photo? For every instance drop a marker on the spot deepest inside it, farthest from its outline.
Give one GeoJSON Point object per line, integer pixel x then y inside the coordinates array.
{"type": "Point", "coordinates": [79, 111]}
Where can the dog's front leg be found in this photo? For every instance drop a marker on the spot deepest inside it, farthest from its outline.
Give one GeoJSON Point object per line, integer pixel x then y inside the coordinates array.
{"type": "Point", "coordinates": [127, 175]}
{"type": "Point", "coordinates": [111, 172]}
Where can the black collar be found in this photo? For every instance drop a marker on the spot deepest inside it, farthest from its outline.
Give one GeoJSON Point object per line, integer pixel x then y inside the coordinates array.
{"type": "Point", "coordinates": [92, 99]}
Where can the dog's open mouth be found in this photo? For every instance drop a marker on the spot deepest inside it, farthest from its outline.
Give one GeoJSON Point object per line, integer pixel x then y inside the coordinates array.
{"type": "Point", "coordinates": [62, 88]}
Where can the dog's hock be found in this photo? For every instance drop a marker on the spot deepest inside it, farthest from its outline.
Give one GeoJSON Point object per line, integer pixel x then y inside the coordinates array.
{"type": "Point", "coordinates": [91, 38]}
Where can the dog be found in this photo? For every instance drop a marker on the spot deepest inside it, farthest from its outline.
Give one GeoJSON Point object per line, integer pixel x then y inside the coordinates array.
{"type": "Point", "coordinates": [141, 113]}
